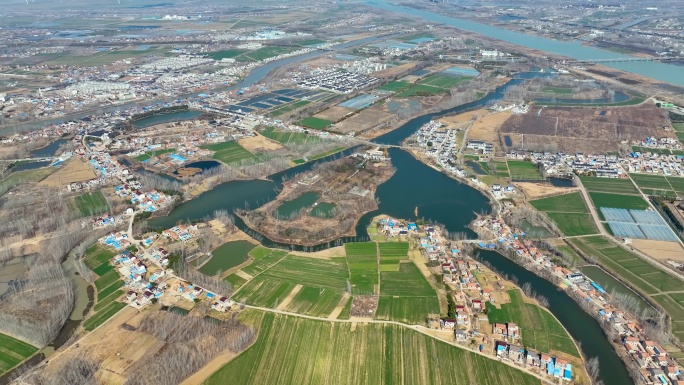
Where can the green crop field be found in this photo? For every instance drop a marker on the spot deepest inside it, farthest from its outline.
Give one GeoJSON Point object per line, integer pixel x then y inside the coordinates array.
{"type": "Point", "coordinates": [618, 201]}
{"type": "Point", "coordinates": [677, 184]}
{"type": "Point", "coordinates": [27, 176]}
{"type": "Point", "coordinates": [319, 273]}
{"type": "Point", "coordinates": [292, 350]}
{"type": "Point", "coordinates": [315, 301]}
{"type": "Point", "coordinates": [395, 86]}
{"type": "Point", "coordinates": [96, 255]}
{"type": "Point", "coordinates": [639, 274]}
{"type": "Point", "coordinates": [346, 311]}
{"type": "Point", "coordinates": [406, 296]}
{"type": "Point", "coordinates": [421, 90]}
{"type": "Point", "coordinates": [106, 280]}
{"type": "Point", "coordinates": [263, 292]}
{"type": "Point", "coordinates": [103, 315]}
{"type": "Point", "coordinates": [265, 53]}
{"type": "Point", "coordinates": [288, 107]}
{"type": "Point", "coordinates": [393, 249]}
{"type": "Point", "coordinates": [315, 123]}
{"type": "Point", "coordinates": [227, 256]}
{"type": "Point", "coordinates": [558, 90]}
{"type": "Point", "coordinates": [235, 281]}
{"type": "Point", "coordinates": [501, 169]}
{"type": "Point", "coordinates": [13, 352]}
{"type": "Point", "coordinates": [104, 293]}
{"type": "Point", "coordinates": [572, 224]}
{"type": "Point", "coordinates": [523, 170]}
{"type": "Point", "coordinates": [538, 328]}
{"type": "Point", "coordinates": [286, 137]}
{"type": "Point", "coordinates": [152, 154]}
{"type": "Point", "coordinates": [310, 42]}
{"type": "Point", "coordinates": [263, 259]}
{"type": "Point", "coordinates": [103, 269]}
{"type": "Point", "coordinates": [609, 185]}
{"type": "Point", "coordinates": [101, 304]}
{"type": "Point", "coordinates": [565, 203]}
{"type": "Point", "coordinates": [361, 249]}
{"type": "Point", "coordinates": [326, 153]}
{"type": "Point", "coordinates": [651, 181]}
{"type": "Point", "coordinates": [679, 127]}
{"type": "Point", "coordinates": [443, 81]}
{"type": "Point", "coordinates": [90, 204]}
{"type": "Point", "coordinates": [230, 152]}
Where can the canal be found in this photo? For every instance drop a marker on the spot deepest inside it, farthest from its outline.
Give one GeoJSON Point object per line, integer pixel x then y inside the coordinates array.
{"type": "Point", "coordinates": [418, 188]}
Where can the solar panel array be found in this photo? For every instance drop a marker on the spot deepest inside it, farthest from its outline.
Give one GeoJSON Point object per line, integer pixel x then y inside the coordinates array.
{"type": "Point", "coordinates": [640, 224]}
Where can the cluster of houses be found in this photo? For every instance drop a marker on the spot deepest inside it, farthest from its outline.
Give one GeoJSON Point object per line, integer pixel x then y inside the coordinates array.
{"type": "Point", "coordinates": [336, 81]}
{"type": "Point", "coordinates": [393, 227]}
{"type": "Point", "coordinates": [143, 286]}
{"type": "Point", "coordinates": [553, 366]}
{"type": "Point", "coordinates": [116, 239]}
{"type": "Point", "coordinates": [145, 201]}
{"type": "Point", "coordinates": [438, 142]}
{"type": "Point", "coordinates": [484, 148]}
{"type": "Point", "coordinates": [655, 364]}
{"type": "Point", "coordinates": [563, 165]}
{"type": "Point", "coordinates": [180, 233]}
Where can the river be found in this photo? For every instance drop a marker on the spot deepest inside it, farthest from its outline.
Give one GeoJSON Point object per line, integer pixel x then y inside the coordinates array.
{"type": "Point", "coordinates": [667, 73]}
{"type": "Point", "coordinates": [436, 197]}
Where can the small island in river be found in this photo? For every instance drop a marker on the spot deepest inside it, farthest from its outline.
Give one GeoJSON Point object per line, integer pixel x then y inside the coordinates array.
{"type": "Point", "coordinates": [323, 204]}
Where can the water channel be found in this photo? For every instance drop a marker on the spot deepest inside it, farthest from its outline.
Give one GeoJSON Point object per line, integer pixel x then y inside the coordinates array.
{"type": "Point", "coordinates": [435, 196]}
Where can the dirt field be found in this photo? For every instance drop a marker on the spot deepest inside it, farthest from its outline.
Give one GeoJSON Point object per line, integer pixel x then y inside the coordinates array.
{"type": "Point", "coordinates": [340, 306]}
{"type": "Point", "coordinates": [461, 120]}
{"type": "Point", "coordinates": [536, 190]}
{"type": "Point", "coordinates": [366, 119]}
{"type": "Point", "coordinates": [201, 375]}
{"type": "Point", "coordinates": [259, 142]}
{"type": "Point", "coordinates": [486, 127]}
{"type": "Point", "coordinates": [592, 130]}
{"type": "Point", "coordinates": [660, 250]}
{"type": "Point", "coordinates": [394, 71]}
{"type": "Point", "coordinates": [322, 254]}
{"type": "Point", "coordinates": [74, 170]}
{"type": "Point", "coordinates": [334, 114]}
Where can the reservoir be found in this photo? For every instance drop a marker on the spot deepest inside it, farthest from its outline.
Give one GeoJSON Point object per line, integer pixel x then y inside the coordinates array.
{"type": "Point", "coordinates": [667, 73]}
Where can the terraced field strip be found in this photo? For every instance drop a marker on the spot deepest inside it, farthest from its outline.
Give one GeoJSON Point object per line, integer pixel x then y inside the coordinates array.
{"type": "Point", "coordinates": [103, 315]}
{"type": "Point", "coordinates": [293, 350]}
{"type": "Point", "coordinates": [568, 212]}
{"type": "Point", "coordinates": [13, 352]}
{"type": "Point", "coordinates": [362, 261]}
{"type": "Point", "coordinates": [538, 328]}
{"type": "Point", "coordinates": [661, 286]}
{"type": "Point", "coordinates": [609, 185]}
{"type": "Point", "coordinates": [97, 255]}
{"type": "Point", "coordinates": [406, 296]}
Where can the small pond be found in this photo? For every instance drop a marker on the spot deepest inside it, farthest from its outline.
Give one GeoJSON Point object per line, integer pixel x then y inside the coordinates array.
{"type": "Point", "coordinates": [324, 210]}
{"type": "Point", "coordinates": [291, 208]}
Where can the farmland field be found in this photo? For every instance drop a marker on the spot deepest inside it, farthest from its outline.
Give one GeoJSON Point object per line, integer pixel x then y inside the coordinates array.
{"type": "Point", "coordinates": [227, 256]}
{"type": "Point", "coordinates": [363, 266]}
{"type": "Point", "coordinates": [90, 204]}
{"type": "Point", "coordinates": [639, 274]}
{"type": "Point", "coordinates": [395, 86]}
{"type": "Point", "coordinates": [104, 293]}
{"type": "Point", "coordinates": [106, 280]}
{"type": "Point", "coordinates": [618, 201]}
{"type": "Point", "coordinates": [538, 328]}
{"type": "Point", "coordinates": [572, 224]}
{"type": "Point", "coordinates": [406, 296]}
{"type": "Point", "coordinates": [103, 269]}
{"type": "Point", "coordinates": [337, 353]}
{"type": "Point", "coordinates": [288, 107]}
{"type": "Point", "coordinates": [13, 351]}
{"type": "Point", "coordinates": [235, 280]}
{"type": "Point", "coordinates": [97, 255]}
{"type": "Point", "coordinates": [346, 311]}
{"type": "Point", "coordinates": [19, 177]}
{"type": "Point", "coordinates": [315, 123]}
{"type": "Point", "coordinates": [315, 301]}
{"type": "Point", "coordinates": [319, 273]}
{"type": "Point", "coordinates": [286, 137]}
{"type": "Point", "coordinates": [101, 304]}
{"type": "Point", "coordinates": [393, 249]}
{"type": "Point", "coordinates": [227, 53]}
{"type": "Point", "coordinates": [324, 154]}
{"type": "Point", "coordinates": [420, 90]}
{"type": "Point", "coordinates": [230, 152]}
{"type": "Point", "coordinates": [651, 181]}
{"type": "Point", "coordinates": [565, 203]}
{"type": "Point", "coordinates": [443, 81]}
{"type": "Point", "coordinates": [677, 184]}
{"type": "Point", "coordinates": [609, 185]}
{"type": "Point", "coordinates": [523, 170]}
{"type": "Point", "coordinates": [263, 292]}
{"type": "Point", "coordinates": [103, 315]}
{"type": "Point", "coordinates": [263, 259]}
